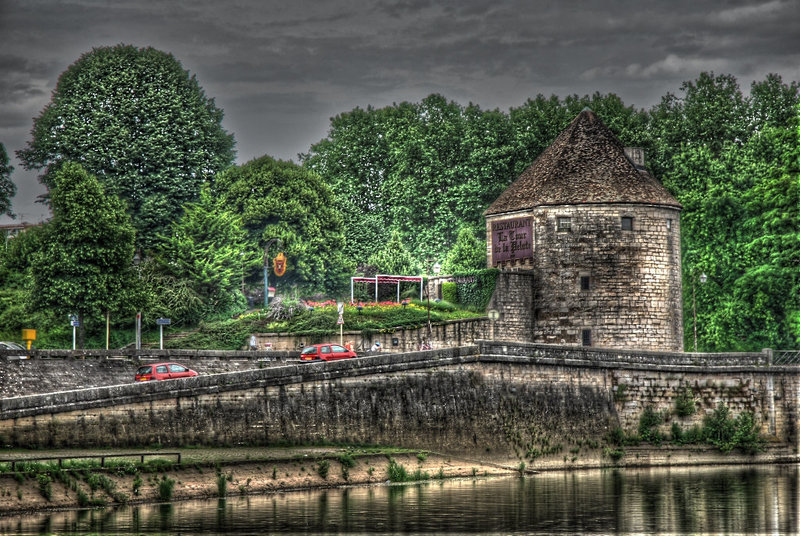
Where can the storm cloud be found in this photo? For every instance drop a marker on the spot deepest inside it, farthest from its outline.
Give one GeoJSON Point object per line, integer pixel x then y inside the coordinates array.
{"type": "Point", "coordinates": [280, 70]}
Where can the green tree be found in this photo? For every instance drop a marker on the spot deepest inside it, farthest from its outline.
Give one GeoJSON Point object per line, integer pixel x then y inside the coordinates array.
{"type": "Point", "coordinates": [16, 281]}
{"type": "Point", "coordinates": [467, 254]}
{"type": "Point", "coordinates": [422, 170]}
{"type": "Point", "coordinates": [732, 162]}
{"type": "Point", "coordinates": [135, 119]}
{"type": "Point", "coordinates": [539, 121]}
{"type": "Point", "coordinates": [7, 187]}
{"type": "Point", "coordinates": [83, 265]}
{"type": "Point", "coordinates": [394, 259]}
{"type": "Point", "coordinates": [198, 267]}
{"type": "Point", "coordinates": [278, 199]}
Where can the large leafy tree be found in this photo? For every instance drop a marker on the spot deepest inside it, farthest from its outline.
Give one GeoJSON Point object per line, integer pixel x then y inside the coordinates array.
{"type": "Point", "coordinates": [467, 254]}
{"type": "Point", "coordinates": [196, 271]}
{"type": "Point", "coordinates": [538, 121]}
{"type": "Point", "coordinates": [427, 169]}
{"type": "Point", "coordinates": [731, 160]}
{"type": "Point", "coordinates": [278, 199]}
{"type": "Point", "coordinates": [7, 187]}
{"type": "Point", "coordinates": [419, 169]}
{"type": "Point", "coordinates": [135, 119]}
{"type": "Point", "coordinates": [394, 258]}
{"type": "Point", "coordinates": [83, 264]}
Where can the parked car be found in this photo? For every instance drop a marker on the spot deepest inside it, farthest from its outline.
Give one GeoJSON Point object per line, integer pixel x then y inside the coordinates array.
{"type": "Point", "coordinates": [163, 371]}
{"type": "Point", "coordinates": [325, 352]}
{"type": "Point", "coordinates": [7, 345]}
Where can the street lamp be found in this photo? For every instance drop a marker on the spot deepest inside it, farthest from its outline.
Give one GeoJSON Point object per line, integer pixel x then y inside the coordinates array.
{"type": "Point", "coordinates": [137, 260]}
{"type": "Point", "coordinates": [436, 269]}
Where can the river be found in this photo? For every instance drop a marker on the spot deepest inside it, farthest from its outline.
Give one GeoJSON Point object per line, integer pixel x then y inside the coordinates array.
{"type": "Point", "coordinates": [718, 500]}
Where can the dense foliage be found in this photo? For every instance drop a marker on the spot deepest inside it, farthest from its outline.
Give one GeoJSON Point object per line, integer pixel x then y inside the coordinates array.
{"type": "Point", "coordinates": [278, 199]}
{"type": "Point", "coordinates": [7, 187]}
{"type": "Point", "coordinates": [467, 254]}
{"type": "Point", "coordinates": [475, 288]}
{"type": "Point", "coordinates": [390, 190]}
{"type": "Point", "coordinates": [732, 161]}
{"type": "Point", "coordinates": [198, 268]}
{"type": "Point", "coordinates": [316, 322]}
{"type": "Point", "coordinates": [83, 263]}
{"type": "Point", "coordinates": [136, 120]}
{"type": "Point", "coordinates": [427, 170]}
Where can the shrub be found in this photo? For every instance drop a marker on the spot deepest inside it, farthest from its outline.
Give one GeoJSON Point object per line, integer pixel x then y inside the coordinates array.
{"type": "Point", "coordinates": [676, 433]}
{"type": "Point", "coordinates": [684, 403]}
{"type": "Point", "coordinates": [615, 454]}
{"type": "Point", "coordinates": [649, 422]}
{"type": "Point", "coordinates": [347, 460]}
{"type": "Point", "coordinates": [45, 486]}
{"type": "Point", "coordinates": [746, 435]}
{"type": "Point", "coordinates": [397, 473]}
{"type": "Point", "coordinates": [616, 436]}
{"type": "Point", "coordinates": [137, 485]}
{"type": "Point", "coordinates": [719, 428]}
{"type": "Point", "coordinates": [450, 292]}
{"type": "Point", "coordinates": [475, 289]}
{"type": "Point", "coordinates": [165, 487]}
{"type": "Point", "coordinates": [323, 467]}
{"type": "Point", "coordinates": [222, 485]}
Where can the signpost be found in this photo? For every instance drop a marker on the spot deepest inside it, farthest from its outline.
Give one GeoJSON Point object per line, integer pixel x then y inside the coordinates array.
{"type": "Point", "coordinates": [266, 267]}
{"type": "Point", "coordinates": [161, 323]}
{"type": "Point", "coordinates": [494, 314]}
{"type": "Point", "coordinates": [74, 322]}
{"type": "Point", "coordinates": [340, 307]}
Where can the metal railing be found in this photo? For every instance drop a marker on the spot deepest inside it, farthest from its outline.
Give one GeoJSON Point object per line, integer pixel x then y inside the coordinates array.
{"type": "Point", "coordinates": [101, 457]}
{"type": "Point", "coordinates": [786, 357]}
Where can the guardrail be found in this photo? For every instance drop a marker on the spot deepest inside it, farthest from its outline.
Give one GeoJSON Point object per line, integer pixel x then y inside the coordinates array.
{"type": "Point", "coordinates": [786, 357]}
{"type": "Point", "coordinates": [101, 457]}
{"type": "Point", "coordinates": [133, 354]}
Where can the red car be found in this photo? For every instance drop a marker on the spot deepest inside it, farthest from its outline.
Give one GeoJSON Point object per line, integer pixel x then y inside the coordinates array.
{"type": "Point", "coordinates": [163, 371]}
{"type": "Point", "coordinates": [325, 352]}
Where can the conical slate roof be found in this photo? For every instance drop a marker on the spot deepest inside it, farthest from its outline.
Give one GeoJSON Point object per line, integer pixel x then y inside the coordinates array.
{"type": "Point", "coordinates": [585, 164]}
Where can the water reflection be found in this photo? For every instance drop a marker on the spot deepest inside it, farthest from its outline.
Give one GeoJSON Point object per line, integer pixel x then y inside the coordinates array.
{"type": "Point", "coordinates": [735, 500]}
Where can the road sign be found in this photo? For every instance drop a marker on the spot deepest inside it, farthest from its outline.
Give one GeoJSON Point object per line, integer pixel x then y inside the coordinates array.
{"type": "Point", "coordinates": [163, 321]}
{"type": "Point", "coordinates": [341, 320]}
{"type": "Point", "coordinates": [494, 314]}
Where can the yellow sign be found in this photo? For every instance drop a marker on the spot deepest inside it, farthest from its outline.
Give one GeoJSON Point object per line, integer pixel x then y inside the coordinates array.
{"type": "Point", "coordinates": [279, 264]}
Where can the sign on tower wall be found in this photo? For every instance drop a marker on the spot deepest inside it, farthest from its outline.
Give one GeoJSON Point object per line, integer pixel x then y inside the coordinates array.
{"type": "Point", "coordinates": [512, 239]}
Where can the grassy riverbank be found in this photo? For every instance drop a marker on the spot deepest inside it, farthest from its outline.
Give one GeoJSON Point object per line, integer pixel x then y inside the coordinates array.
{"type": "Point", "coordinates": [206, 473]}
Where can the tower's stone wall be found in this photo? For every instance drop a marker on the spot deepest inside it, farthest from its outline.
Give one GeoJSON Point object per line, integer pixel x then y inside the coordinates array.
{"type": "Point", "coordinates": [597, 283]}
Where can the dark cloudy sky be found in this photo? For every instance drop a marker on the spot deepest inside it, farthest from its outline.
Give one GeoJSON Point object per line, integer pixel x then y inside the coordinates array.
{"type": "Point", "coordinates": [281, 69]}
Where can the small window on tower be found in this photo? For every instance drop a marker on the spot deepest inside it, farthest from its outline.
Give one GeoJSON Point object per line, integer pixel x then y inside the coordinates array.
{"type": "Point", "coordinates": [586, 336]}
{"type": "Point", "coordinates": [627, 223]}
{"type": "Point", "coordinates": [564, 224]}
{"type": "Point", "coordinates": [585, 282]}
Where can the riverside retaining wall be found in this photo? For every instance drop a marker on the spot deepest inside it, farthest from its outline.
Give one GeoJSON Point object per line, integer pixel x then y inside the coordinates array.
{"type": "Point", "coordinates": [496, 400]}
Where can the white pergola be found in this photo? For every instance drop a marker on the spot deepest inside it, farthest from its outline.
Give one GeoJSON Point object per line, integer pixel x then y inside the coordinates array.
{"type": "Point", "coordinates": [383, 278]}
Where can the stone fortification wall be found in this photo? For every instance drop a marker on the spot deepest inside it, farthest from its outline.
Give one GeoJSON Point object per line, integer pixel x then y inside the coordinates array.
{"type": "Point", "coordinates": [620, 288]}
{"type": "Point", "coordinates": [503, 400]}
{"type": "Point", "coordinates": [60, 370]}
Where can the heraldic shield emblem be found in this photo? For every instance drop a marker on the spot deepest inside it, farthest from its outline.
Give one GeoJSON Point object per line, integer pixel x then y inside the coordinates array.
{"type": "Point", "coordinates": [279, 264]}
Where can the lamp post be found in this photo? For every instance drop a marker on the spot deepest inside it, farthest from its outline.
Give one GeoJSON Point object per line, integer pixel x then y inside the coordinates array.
{"type": "Point", "coordinates": [266, 267]}
{"type": "Point", "coordinates": [137, 259]}
{"type": "Point", "coordinates": [436, 269]}
{"type": "Point", "coordinates": [694, 316]}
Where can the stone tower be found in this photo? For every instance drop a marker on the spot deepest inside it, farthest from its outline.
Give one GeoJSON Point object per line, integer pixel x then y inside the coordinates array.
{"type": "Point", "coordinates": [588, 244]}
